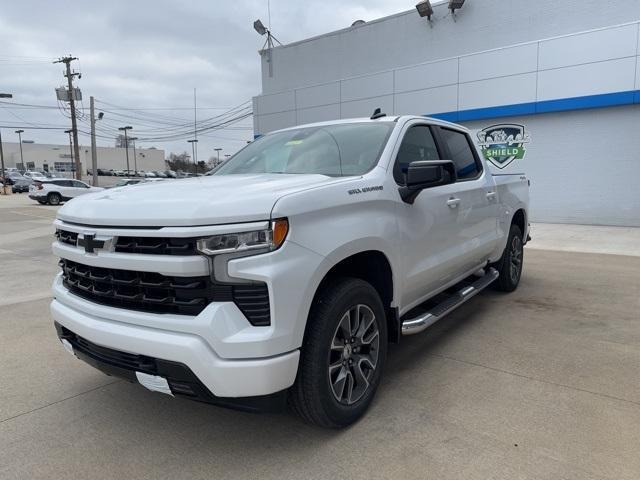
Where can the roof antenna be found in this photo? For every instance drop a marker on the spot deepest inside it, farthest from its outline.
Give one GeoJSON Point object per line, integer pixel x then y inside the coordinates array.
{"type": "Point", "coordinates": [377, 113]}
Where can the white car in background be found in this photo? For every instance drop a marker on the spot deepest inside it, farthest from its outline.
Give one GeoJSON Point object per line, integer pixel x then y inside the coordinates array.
{"type": "Point", "coordinates": [35, 176]}
{"type": "Point", "coordinates": [56, 191]}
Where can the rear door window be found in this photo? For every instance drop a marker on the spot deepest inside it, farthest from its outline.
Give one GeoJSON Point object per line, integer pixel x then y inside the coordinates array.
{"type": "Point", "coordinates": [461, 153]}
{"type": "Point", "coordinates": [62, 183]}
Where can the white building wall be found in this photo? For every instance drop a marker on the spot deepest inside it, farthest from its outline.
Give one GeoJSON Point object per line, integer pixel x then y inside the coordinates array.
{"type": "Point", "coordinates": [407, 39]}
{"type": "Point", "coordinates": [527, 78]}
{"type": "Point", "coordinates": [583, 165]}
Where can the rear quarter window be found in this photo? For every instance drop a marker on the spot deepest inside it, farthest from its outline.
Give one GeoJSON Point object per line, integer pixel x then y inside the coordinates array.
{"type": "Point", "coordinates": [461, 152]}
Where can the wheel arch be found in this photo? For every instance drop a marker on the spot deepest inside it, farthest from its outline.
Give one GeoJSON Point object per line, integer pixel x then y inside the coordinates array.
{"type": "Point", "coordinates": [374, 267]}
{"type": "Point", "coordinates": [519, 218]}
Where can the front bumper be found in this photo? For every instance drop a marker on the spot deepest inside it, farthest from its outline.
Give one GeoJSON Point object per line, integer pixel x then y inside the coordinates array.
{"type": "Point", "coordinates": [221, 377]}
{"type": "Point", "coordinates": [180, 379]}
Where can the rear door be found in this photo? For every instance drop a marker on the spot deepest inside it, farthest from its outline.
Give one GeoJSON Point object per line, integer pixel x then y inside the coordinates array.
{"type": "Point", "coordinates": [78, 188]}
{"type": "Point", "coordinates": [63, 187]}
{"type": "Point", "coordinates": [475, 200]}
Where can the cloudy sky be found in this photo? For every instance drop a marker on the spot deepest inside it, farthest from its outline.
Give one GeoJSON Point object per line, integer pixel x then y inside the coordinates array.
{"type": "Point", "coordinates": [142, 59]}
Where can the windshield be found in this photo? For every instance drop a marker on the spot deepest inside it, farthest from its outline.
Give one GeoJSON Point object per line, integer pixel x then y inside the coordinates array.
{"type": "Point", "coordinates": [335, 150]}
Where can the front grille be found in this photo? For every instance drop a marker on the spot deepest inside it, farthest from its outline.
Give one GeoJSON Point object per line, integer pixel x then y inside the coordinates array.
{"type": "Point", "coordinates": [145, 291]}
{"type": "Point", "coordinates": [156, 293]}
{"type": "Point", "coordinates": [157, 246]}
{"type": "Point", "coordinates": [144, 245]}
{"type": "Point", "coordinates": [64, 236]}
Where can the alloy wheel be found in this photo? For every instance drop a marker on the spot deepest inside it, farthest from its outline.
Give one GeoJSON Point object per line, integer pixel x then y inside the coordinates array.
{"type": "Point", "coordinates": [515, 259]}
{"type": "Point", "coordinates": [353, 356]}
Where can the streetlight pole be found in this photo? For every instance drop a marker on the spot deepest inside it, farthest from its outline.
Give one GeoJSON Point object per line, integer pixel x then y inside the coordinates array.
{"type": "Point", "coordinates": [70, 131]}
{"type": "Point", "coordinates": [19, 132]}
{"type": "Point", "coordinates": [126, 143]}
{"type": "Point", "coordinates": [135, 158]}
{"type": "Point", "coordinates": [94, 148]}
{"type": "Point", "coordinates": [4, 180]}
{"type": "Point", "coordinates": [193, 153]}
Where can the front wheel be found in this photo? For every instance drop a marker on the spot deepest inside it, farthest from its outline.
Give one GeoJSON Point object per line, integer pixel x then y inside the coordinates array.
{"type": "Point", "coordinates": [343, 354]}
{"type": "Point", "coordinates": [54, 199]}
{"type": "Point", "coordinates": [510, 264]}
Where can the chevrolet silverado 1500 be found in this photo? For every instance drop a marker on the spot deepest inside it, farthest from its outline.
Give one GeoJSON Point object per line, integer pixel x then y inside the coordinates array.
{"type": "Point", "coordinates": [286, 272]}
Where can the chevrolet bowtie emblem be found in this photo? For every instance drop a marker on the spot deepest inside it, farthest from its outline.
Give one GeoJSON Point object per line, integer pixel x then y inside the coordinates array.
{"type": "Point", "coordinates": [90, 243]}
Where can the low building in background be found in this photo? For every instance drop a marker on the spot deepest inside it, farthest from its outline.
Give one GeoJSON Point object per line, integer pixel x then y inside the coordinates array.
{"type": "Point", "coordinates": [48, 157]}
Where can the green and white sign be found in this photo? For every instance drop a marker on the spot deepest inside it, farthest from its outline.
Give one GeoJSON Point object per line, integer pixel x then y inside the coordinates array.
{"type": "Point", "coordinates": [502, 144]}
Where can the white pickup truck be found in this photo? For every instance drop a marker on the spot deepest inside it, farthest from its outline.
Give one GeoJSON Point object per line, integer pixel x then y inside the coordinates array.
{"type": "Point", "coordinates": [285, 273]}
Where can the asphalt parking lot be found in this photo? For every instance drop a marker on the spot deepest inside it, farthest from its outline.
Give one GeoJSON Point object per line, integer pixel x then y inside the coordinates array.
{"type": "Point", "coordinates": [543, 384]}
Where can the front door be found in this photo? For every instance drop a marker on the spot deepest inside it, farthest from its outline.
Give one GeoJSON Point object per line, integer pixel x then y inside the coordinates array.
{"type": "Point", "coordinates": [430, 227]}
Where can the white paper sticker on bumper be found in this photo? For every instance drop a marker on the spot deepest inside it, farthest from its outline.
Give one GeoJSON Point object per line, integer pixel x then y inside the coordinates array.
{"type": "Point", "coordinates": [154, 383]}
{"type": "Point", "coordinates": [67, 346]}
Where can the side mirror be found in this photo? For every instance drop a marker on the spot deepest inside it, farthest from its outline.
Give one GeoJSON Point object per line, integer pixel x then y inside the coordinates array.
{"type": "Point", "coordinates": [426, 174]}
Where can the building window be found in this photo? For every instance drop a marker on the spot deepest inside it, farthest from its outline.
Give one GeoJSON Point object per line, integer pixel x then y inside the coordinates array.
{"type": "Point", "coordinates": [64, 166]}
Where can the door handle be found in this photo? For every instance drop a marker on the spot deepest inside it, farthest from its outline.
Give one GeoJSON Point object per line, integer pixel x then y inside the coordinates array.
{"type": "Point", "coordinates": [453, 202]}
{"type": "Point", "coordinates": [491, 195]}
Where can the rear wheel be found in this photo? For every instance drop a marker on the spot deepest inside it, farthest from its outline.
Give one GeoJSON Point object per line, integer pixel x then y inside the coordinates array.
{"type": "Point", "coordinates": [342, 356]}
{"type": "Point", "coordinates": [54, 198]}
{"type": "Point", "coordinates": [510, 264]}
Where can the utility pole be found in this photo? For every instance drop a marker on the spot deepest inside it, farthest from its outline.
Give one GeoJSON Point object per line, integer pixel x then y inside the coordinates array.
{"type": "Point", "coordinates": [94, 151]}
{"type": "Point", "coordinates": [126, 143]}
{"type": "Point", "coordinates": [217, 150]}
{"type": "Point", "coordinates": [135, 161]}
{"type": "Point", "coordinates": [72, 104]}
{"type": "Point", "coordinates": [19, 132]}
{"type": "Point", "coordinates": [193, 151]}
{"type": "Point", "coordinates": [195, 130]}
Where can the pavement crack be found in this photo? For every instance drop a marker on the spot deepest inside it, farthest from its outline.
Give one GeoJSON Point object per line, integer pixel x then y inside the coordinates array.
{"type": "Point", "coordinates": [570, 387]}
{"type": "Point", "coordinates": [59, 401]}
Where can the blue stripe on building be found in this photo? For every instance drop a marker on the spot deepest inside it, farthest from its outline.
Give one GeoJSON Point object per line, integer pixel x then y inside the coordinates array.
{"type": "Point", "coordinates": [531, 108]}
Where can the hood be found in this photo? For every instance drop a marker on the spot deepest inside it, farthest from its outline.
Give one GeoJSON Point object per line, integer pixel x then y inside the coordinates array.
{"type": "Point", "coordinates": [212, 200]}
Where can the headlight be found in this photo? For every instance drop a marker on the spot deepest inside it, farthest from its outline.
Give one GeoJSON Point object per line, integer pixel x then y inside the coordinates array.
{"type": "Point", "coordinates": [268, 240]}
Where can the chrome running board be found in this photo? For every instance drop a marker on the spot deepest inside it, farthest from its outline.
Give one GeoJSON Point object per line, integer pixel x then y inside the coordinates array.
{"type": "Point", "coordinates": [415, 325]}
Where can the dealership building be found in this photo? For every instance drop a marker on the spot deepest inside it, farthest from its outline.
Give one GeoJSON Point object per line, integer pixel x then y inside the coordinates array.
{"type": "Point", "coordinates": [548, 88]}
{"type": "Point", "coordinates": [48, 157]}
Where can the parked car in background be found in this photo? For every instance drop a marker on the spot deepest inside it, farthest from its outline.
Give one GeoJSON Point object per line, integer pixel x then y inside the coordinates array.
{"type": "Point", "coordinates": [160, 174]}
{"type": "Point", "coordinates": [170, 174]}
{"type": "Point", "coordinates": [56, 191]}
{"type": "Point", "coordinates": [34, 175]}
{"type": "Point", "coordinates": [20, 184]}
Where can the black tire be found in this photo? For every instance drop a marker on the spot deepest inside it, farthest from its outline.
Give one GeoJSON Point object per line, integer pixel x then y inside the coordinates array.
{"type": "Point", "coordinates": [314, 395]}
{"type": "Point", "coordinates": [510, 264]}
{"type": "Point", "coordinates": [54, 198]}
